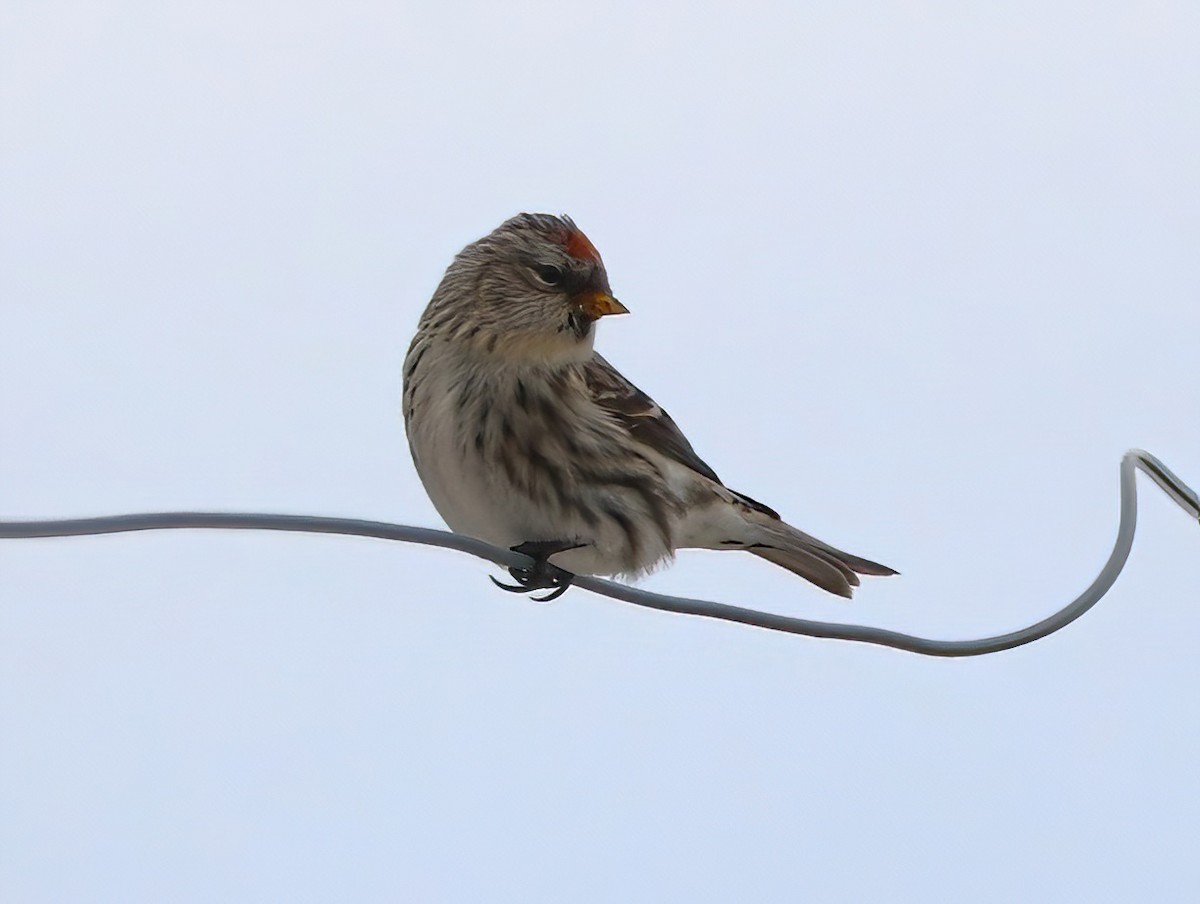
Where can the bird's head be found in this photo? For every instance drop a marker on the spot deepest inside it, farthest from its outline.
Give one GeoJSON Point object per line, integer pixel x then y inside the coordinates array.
{"type": "Point", "coordinates": [531, 291]}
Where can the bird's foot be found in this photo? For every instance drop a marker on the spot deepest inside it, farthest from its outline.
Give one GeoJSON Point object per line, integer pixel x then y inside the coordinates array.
{"type": "Point", "coordinates": [542, 575]}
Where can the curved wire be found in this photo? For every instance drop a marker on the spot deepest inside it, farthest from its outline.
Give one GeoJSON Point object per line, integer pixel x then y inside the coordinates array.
{"type": "Point", "coordinates": [1185, 497]}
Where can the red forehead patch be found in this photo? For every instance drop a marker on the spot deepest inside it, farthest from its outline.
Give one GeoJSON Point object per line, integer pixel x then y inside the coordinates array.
{"type": "Point", "coordinates": [578, 246]}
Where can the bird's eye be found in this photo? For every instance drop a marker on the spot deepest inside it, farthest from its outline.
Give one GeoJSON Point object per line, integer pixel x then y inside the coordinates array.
{"type": "Point", "coordinates": [549, 274]}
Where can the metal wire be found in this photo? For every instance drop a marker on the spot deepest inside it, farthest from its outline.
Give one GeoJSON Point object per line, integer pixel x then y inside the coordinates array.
{"type": "Point", "coordinates": [1134, 460]}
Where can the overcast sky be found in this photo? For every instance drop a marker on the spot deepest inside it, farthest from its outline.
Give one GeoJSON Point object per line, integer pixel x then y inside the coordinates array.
{"type": "Point", "coordinates": [913, 275]}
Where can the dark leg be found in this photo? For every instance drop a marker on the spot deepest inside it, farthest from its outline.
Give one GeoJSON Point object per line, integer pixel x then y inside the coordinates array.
{"type": "Point", "coordinates": [543, 575]}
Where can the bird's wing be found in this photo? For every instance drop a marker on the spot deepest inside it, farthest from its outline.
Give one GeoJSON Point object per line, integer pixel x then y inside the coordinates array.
{"type": "Point", "coordinates": [648, 423]}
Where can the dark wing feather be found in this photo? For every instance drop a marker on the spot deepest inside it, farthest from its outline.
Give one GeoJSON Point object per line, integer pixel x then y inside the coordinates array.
{"type": "Point", "coordinates": [648, 423]}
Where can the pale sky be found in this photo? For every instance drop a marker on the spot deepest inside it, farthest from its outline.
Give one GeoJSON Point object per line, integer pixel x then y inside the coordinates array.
{"type": "Point", "coordinates": [914, 275]}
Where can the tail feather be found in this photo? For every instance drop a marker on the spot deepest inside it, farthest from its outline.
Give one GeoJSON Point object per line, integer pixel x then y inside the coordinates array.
{"type": "Point", "coordinates": [809, 566]}
{"type": "Point", "coordinates": [824, 565]}
{"type": "Point", "coordinates": [853, 562]}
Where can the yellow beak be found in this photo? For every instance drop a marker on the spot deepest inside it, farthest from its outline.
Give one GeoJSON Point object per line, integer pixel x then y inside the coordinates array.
{"type": "Point", "coordinates": [599, 304]}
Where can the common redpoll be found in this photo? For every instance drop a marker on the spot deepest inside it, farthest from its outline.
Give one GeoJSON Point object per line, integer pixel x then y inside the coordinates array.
{"type": "Point", "coordinates": [525, 437]}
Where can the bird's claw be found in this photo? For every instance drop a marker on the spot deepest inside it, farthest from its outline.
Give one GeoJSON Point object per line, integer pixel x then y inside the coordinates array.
{"type": "Point", "coordinates": [542, 575]}
{"type": "Point", "coordinates": [560, 586]}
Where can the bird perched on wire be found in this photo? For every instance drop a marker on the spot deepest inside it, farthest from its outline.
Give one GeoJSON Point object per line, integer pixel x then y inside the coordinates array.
{"type": "Point", "coordinates": [525, 437]}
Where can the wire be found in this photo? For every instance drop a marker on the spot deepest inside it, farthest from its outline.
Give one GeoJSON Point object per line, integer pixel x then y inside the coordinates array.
{"type": "Point", "coordinates": [1185, 497]}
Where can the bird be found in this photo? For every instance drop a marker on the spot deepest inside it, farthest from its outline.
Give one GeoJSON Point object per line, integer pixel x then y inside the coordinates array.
{"type": "Point", "coordinates": [525, 437]}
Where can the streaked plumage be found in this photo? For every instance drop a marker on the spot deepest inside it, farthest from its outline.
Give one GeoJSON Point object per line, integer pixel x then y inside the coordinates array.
{"type": "Point", "coordinates": [521, 432]}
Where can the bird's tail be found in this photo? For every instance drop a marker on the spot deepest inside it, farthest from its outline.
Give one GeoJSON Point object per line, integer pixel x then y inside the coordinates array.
{"type": "Point", "coordinates": [827, 567]}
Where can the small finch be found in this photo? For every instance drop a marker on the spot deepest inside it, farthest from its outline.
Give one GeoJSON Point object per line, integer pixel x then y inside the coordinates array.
{"type": "Point", "coordinates": [526, 438]}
